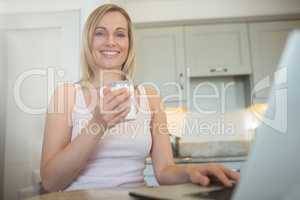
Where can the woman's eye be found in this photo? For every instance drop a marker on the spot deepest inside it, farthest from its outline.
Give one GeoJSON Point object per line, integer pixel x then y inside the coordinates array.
{"type": "Point", "coordinates": [121, 34]}
{"type": "Point", "coordinates": [99, 34]}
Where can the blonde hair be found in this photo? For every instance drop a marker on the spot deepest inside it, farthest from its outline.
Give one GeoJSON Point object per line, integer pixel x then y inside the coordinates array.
{"type": "Point", "coordinates": [87, 59]}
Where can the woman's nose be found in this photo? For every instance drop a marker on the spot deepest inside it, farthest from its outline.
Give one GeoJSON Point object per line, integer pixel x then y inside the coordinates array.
{"type": "Point", "coordinates": [111, 40]}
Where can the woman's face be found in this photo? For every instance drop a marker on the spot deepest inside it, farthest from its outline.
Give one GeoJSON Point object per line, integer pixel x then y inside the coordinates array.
{"type": "Point", "coordinates": [111, 41]}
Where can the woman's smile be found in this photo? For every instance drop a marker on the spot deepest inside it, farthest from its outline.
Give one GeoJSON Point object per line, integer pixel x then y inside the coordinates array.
{"type": "Point", "coordinates": [110, 53]}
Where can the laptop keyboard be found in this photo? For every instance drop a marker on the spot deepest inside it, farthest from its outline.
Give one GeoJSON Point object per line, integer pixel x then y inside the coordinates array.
{"type": "Point", "coordinates": [222, 194]}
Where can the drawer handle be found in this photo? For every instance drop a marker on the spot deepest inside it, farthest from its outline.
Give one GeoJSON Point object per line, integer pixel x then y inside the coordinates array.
{"type": "Point", "coordinates": [219, 70]}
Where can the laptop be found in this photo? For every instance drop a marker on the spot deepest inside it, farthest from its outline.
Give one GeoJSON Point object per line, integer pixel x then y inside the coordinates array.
{"type": "Point", "coordinates": [272, 170]}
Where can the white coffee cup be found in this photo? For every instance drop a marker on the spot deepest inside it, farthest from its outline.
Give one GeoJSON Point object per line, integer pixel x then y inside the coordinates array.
{"type": "Point", "coordinates": [125, 84]}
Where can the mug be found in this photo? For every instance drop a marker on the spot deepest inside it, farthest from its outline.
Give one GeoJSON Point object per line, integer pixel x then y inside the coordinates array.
{"type": "Point", "coordinates": [125, 84]}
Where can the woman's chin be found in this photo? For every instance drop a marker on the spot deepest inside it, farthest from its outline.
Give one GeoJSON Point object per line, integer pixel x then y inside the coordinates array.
{"type": "Point", "coordinates": [110, 67]}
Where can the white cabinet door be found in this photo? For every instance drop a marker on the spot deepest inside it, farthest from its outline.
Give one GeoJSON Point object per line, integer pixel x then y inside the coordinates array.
{"type": "Point", "coordinates": [40, 50]}
{"type": "Point", "coordinates": [160, 61]}
{"type": "Point", "coordinates": [267, 43]}
{"type": "Point", "coordinates": [217, 50]}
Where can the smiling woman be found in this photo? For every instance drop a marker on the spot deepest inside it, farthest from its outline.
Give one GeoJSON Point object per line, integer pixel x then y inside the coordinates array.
{"type": "Point", "coordinates": [110, 44]}
{"type": "Point", "coordinates": [89, 144]}
{"type": "Point", "coordinates": [111, 40]}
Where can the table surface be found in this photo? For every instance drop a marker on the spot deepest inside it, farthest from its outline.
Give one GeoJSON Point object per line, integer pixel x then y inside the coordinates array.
{"type": "Point", "coordinates": [85, 195]}
{"type": "Point", "coordinates": [171, 191]}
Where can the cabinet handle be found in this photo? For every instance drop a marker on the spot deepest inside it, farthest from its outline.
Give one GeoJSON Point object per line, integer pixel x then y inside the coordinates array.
{"type": "Point", "coordinates": [180, 81]}
{"type": "Point", "coordinates": [181, 86]}
{"type": "Point", "coordinates": [219, 70]}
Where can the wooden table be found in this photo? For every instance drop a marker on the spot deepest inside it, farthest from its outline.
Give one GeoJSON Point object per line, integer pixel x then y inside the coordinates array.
{"type": "Point", "coordinates": [85, 195]}
{"type": "Point", "coordinates": [170, 192]}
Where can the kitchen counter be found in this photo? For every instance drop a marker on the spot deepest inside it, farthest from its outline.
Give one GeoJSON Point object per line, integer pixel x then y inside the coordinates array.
{"type": "Point", "coordinates": [117, 194]}
{"type": "Point", "coordinates": [185, 160]}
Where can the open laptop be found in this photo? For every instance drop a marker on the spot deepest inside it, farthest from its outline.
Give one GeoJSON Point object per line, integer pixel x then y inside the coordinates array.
{"type": "Point", "coordinates": [273, 167]}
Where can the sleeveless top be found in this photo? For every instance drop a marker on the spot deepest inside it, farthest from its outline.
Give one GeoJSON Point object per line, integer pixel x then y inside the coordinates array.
{"type": "Point", "coordinates": [119, 158]}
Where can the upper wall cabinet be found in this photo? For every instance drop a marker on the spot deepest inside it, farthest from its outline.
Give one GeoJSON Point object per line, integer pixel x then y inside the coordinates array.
{"type": "Point", "coordinates": [217, 50]}
{"type": "Point", "coordinates": [267, 43]}
{"type": "Point", "coordinates": [160, 61]}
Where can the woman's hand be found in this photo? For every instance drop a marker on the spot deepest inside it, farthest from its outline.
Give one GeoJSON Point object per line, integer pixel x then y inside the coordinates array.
{"type": "Point", "coordinates": [204, 174]}
{"type": "Point", "coordinates": [112, 107]}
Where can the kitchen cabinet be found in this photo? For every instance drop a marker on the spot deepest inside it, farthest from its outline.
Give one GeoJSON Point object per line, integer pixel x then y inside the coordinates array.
{"type": "Point", "coordinates": [169, 56]}
{"type": "Point", "coordinates": [267, 43]}
{"type": "Point", "coordinates": [160, 61]}
{"type": "Point", "coordinates": [217, 50]}
{"type": "Point", "coordinates": [187, 54]}
{"type": "Point", "coordinates": [175, 57]}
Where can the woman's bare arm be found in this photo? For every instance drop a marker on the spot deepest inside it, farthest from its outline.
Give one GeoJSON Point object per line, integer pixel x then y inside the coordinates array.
{"type": "Point", "coordinates": [166, 171]}
{"type": "Point", "coordinates": [62, 159]}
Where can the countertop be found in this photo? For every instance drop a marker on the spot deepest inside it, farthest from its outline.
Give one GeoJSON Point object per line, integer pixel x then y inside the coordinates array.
{"type": "Point", "coordinates": [94, 194]}
{"type": "Point", "coordinates": [185, 160]}
{"type": "Point", "coordinates": [167, 191]}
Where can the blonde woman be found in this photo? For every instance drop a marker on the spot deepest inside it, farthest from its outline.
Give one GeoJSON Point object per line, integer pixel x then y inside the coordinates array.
{"type": "Point", "coordinates": [87, 142]}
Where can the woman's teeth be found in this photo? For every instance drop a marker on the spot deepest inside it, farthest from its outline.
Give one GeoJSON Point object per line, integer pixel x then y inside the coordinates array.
{"type": "Point", "coordinates": [110, 53]}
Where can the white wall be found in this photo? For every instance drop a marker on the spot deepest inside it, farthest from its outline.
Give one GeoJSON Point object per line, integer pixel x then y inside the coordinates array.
{"type": "Point", "coordinates": [16, 178]}
{"type": "Point", "coordinates": [20, 6]}
{"type": "Point", "coordinates": [2, 112]}
{"type": "Point", "coordinates": [54, 37]}
{"type": "Point", "coordinates": [170, 10]}
{"type": "Point", "coordinates": [164, 10]}
{"type": "Point", "coordinates": [33, 6]}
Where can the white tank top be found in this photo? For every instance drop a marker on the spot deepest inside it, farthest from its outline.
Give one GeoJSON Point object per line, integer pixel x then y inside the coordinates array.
{"type": "Point", "coordinates": [119, 159]}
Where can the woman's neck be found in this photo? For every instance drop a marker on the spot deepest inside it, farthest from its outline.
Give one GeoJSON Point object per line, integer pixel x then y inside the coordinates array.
{"type": "Point", "coordinates": [105, 77]}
